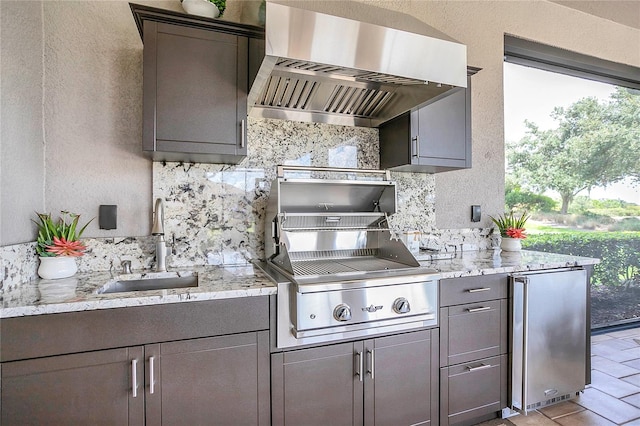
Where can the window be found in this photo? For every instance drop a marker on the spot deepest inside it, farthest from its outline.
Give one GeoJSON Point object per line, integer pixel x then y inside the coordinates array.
{"type": "Point", "coordinates": [572, 130]}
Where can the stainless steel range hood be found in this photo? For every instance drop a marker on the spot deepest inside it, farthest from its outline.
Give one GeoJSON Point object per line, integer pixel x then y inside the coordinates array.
{"type": "Point", "coordinates": [330, 69]}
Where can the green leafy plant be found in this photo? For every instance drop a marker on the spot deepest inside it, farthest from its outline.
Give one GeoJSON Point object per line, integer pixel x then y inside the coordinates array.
{"type": "Point", "coordinates": [61, 237]}
{"type": "Point", "coordinates": [618, 251]}
{"type": "Point", "coordinates": [221, 5]}
{"type": "Point", "coordinates": [511, 226]}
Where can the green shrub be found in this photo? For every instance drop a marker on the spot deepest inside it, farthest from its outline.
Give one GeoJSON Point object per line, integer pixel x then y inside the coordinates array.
{"type": "Point", "coordinates": [619, 252]}
{"type": "Point", "coordinates": [516, 198]}
{"type": "Point", "coordinates": [618, 211]}
{"type": "Point", "coordinates": [628, 224]}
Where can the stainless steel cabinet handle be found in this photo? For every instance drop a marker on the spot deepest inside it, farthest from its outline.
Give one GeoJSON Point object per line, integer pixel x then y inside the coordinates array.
{"type": "Point", "coordinates": [478, 290]}
{"type": "Point", "coordinates": [134, 378]}
{"type": "Point", "coordinates": [484, 308]}
{"type": "Point", "coordinates": [152, 379]}
{"type": "Point", "coordinates": [370, 362]}
{"type": "Point", "coordinates": [242, 134]}
{"type": "Point", "coordinates": [480, 367]}
{"type": "Point", "coordinates": [416, 152]}
{"type": "Point", "coordinates": [360, 365]}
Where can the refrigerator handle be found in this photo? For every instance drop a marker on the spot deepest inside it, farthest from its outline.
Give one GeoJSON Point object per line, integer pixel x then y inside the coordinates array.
{"type": "Point", "coordinates": [520, 341]}
{"type": "Point", "coordinates": [521, 279]}
{"type": "Point", "coordinates": [525, 336]}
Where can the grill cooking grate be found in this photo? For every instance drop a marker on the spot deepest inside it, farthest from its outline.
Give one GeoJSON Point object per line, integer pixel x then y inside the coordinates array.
{"type": "Point", "coordinates": [337, 266]}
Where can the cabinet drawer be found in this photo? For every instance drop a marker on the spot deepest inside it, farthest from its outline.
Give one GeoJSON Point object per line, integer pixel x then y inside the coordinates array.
{"type": "Point", "coordinates": [473, 331]}
{"type": "Point", "coordinates": [69, 332]}
{"type": "Point", "coordinates": [457, 291]}
{"type": "Point", "coordinates": [473, 389]}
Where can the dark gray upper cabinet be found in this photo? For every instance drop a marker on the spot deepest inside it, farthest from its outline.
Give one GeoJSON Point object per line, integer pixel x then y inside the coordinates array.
{"type": "Point", "coordinates": [196, 76]}
{"type": "Point", "coordinates": [382, 381]}
{"type": "Point", "coordinates": [435, 137]}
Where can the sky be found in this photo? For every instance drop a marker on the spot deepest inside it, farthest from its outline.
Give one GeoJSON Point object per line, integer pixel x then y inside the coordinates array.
{"type": "Point", "coordinates": [532, 94]}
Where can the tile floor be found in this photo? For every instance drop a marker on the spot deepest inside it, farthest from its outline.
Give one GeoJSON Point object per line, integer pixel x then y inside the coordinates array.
{"type": "Point", "coordinates": [613, 398]}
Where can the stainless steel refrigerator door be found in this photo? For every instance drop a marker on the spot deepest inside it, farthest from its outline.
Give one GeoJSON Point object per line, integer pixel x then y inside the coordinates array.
{"type": "Point", "coordinates": [549, 337]}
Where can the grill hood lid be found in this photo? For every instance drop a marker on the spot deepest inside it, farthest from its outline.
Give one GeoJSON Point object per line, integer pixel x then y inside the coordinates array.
{"type": "Point", "coordinates": [330, 69]}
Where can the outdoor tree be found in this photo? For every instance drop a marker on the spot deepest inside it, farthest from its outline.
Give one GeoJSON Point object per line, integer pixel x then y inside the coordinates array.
{"type": "Point", "coordinates": [595, 144]}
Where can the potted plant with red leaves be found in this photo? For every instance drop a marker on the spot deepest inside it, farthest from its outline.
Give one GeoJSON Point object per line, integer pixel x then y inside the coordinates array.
{"type": "Point", "coordinates": [511, 229]}
{"type": "Point", "coordinates": [59, 244]}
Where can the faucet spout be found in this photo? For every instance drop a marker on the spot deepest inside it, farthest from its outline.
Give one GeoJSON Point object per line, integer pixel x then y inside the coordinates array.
{"type": "Point", "coordinates": [158, 218]}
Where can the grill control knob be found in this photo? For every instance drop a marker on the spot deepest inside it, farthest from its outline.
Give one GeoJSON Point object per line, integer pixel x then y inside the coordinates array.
{"type": "Point", "coordinates": [342, 312]}
{"type": "Point", "coordinates": [401, 306]}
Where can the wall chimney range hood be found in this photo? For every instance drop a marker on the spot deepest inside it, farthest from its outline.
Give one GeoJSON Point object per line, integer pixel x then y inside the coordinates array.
{"type": "Point", "coordinates": [329, 69]}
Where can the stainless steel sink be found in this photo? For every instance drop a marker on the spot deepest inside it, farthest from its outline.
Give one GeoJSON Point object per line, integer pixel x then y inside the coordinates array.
{"type": "Point", "coordinates": [162, 283]}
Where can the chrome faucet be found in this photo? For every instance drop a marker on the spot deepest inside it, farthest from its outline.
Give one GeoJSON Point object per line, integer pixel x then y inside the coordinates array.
{"type": "Point", "coordinates": [158, 229]}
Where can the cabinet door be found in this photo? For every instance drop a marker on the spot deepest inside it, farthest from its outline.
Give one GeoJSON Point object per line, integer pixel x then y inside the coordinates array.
{"type": "Point", "coordinates": [318, 386]}
{"type": "Point", "coordinates": [401, 386]}
{"type": "Point", "coordinates": [219, 380]}
{"type": "Point", "coordinates": [92, 388]}
{"type": "Point", "coordinates": [442, 131]}
{"type": "Point", "coordinates": [435, 137]}
{"type": "Point", "coordinates": [195, 89]}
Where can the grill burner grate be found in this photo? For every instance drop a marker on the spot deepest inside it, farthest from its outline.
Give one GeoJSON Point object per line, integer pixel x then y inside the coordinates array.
{"type": "Point", "coordinates": [336, 266]}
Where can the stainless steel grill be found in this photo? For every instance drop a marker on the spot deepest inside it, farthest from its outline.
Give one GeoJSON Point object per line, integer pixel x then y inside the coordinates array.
{"type": "Point", "coordinates": [330, 240]}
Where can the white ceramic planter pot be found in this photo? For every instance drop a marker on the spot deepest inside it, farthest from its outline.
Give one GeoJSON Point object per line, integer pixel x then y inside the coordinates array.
{"type": "Point", "coordinates": [201, 8]}
{"type": "Point", "coordinates": [53, 268]}
{"type": "Point", "coordinates": [511, 244]}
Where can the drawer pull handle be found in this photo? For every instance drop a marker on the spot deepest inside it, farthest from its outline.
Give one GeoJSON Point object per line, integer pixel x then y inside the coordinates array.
{"type": "Point", "coordinates": [152, 379]}
{"type": "Point", "coordinates": [478, 290]}
{"type": "Point", "coordinates": [484, 308]}
{"type": "Point", "coordinates": [134, 378]}
{"type": "Point", "coordinates": [243, 131]}
{"type": "Point", "coordinates": [480, 367]}
{"type": "Point", "coordinates": [360, 368]}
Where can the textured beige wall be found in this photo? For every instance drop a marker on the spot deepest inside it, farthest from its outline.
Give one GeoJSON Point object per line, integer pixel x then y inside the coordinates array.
{"type": "Point", "coordinates": [21, 133]}
{"type": "Point", "coordinates": [93, 99]}
{"type": "Point", "coordinates": [626, 12]}
{"type": "Point", "coordinates": [93, 113]}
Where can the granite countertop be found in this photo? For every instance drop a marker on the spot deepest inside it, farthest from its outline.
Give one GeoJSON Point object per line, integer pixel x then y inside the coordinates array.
{"type": "Point", "coordinates": [79, 293]}
{"type": "Point", "coordinates": [484, 262]}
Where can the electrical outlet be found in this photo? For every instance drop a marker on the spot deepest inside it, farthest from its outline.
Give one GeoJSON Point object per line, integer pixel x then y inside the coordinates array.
{"type": "Point", "coordinates": [476, 213]}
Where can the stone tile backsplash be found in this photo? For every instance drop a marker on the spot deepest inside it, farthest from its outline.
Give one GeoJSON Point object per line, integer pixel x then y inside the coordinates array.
{"type": "Point", "coordinates": [214, 213]}
{"type": "Point", "coordinates": [18, 264]}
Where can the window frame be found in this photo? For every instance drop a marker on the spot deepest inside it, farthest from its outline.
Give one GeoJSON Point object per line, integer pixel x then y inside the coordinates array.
{"type": "Point", "coordinates": [537, 55]}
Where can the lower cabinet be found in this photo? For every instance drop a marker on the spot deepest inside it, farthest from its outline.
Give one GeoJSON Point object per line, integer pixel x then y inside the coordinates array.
{"type": "Point", "coordinates": [473, 389]}
{"type": "Point", "coordinates": [383, 381]}
{"type": "Point", "coordinates": [196, 363]}
{"type": "Point", "coordinates": [224, 378]}
{"type": "Point", "coordinates": [473, 348]}
{"type": "Point", "coordinates": [219, 380]}
{"type": "Point", "coordinates": [88, 388]}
